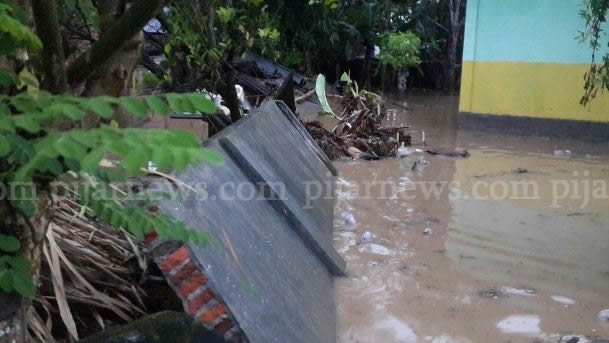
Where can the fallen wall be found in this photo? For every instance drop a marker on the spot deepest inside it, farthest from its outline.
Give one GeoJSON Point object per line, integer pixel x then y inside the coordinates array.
{"type": "Point", "coordinates": [270, 208]}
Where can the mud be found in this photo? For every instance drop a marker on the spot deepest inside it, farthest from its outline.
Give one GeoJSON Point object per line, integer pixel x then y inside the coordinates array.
{"type": "Point", "coordinates": [480, 260]}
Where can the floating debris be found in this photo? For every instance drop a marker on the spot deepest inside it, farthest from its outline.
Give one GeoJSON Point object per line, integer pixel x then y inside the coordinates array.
{"type": "Point", "coordinates": [562, 153]}
{"type": "Point", "coordinates": [603, 315]}
{"type": "Point", "coordinates": [367, 237]}
{"type": "Point", "coordinates": [563, 300]}
{"type": "Point", "coordinates": [527, 325]}
{"type": "Point", "coordinates": [427, 232]}
{"type": "Point", "coordinates": [458, 153]}
{"type": "Point", "coordinates": [492, 294]}
{"type": "Point", "coordinates": [518, 291]}
{"type": "Point", "coordinates": [349, 218]}
{"type": "Point", "coordinates": [360, 127]}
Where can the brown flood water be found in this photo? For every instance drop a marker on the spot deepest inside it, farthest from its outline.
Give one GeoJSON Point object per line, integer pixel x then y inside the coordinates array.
{"type": "Point", "coordinates": [512, 256]}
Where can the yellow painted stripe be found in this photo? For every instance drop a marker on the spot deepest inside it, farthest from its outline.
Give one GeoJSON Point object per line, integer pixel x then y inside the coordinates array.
{"type": "Point", "coordinates": [540, 90]}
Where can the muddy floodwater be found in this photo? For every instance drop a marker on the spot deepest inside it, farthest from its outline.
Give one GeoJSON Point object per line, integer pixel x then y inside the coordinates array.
{"type": "Point", "coordinates": [508, 245]}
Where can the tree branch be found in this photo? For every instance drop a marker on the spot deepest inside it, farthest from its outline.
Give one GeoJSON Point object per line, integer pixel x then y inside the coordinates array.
{"type": "Point", "coordinates": [127, 26]}
{"type": "Point", "coordinates": [47, 27]}
{"type": "Point", "coordinates": [149, 64]}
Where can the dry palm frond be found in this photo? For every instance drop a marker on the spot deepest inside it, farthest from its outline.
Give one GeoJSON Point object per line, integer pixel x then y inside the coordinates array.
{"type": "Point", "coordinates": [91, 275]}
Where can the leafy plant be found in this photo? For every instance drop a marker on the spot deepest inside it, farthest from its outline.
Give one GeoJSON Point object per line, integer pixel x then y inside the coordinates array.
{"type": "Point", "coordinates": [400, 50]}
{"type": "Point", "coordinates": [597, 77]}
{"type": "Point", "coordinates": [35, 152]}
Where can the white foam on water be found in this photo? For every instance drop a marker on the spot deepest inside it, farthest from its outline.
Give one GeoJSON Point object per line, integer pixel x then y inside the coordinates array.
{"type": "Point", "coordinates": [346, 246]}
{"type": "Point", "coordinates": [516, 291]}
{"type": "Point", "coordinates": [346, 234]}
{"type": "Point", "coordinates": [527, 325]}
{"type": "Point", "coordinates": [447, 339]}
{"type": "Point", "coordinates": [375, 249]}
{"type": "Point", "coordinates": [400, 330]}
{"type": "Point", "coordinates": [563, 300]}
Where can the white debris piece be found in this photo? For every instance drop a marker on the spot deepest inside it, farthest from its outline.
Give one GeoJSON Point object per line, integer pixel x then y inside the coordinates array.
{"type": "Point", "coordinates": [603, 315]}
{"type": "Point", "coordinates": [562, 153]}
{"type": "Point", "coordinates": [152, 166]}
{"type": "Point", "coordinates": [367, 237]}
{"type": "Point", "coordinates": [527, 325]}
{"type": "Point", "coordinates": [404, 152]}
{"type": "Point", "coordinates": [563, 300]}
{"type": "Point", "coordinates": [349, 218]}
{"type": "Point", "coordinates": [427, 231]}
{"type": "Point", "coordinates": [518, 291]}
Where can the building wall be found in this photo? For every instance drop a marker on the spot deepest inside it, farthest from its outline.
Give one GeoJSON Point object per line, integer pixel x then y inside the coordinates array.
{"type": "Point", "coordinates": [523, 58]}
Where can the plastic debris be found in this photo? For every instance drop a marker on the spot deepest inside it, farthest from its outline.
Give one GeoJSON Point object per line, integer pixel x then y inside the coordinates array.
{"type": "Point", "coordinates": [562, 153]}
{"type": "Point", "coordinates": [427, 231]}
{"type": "Point", "coordinates": [349, 218]}
{"type": "Point", "coordinates": [604, 315]}
{"type": "Point", "coordinates": [367, 237]}
{"type": "Point", "coordinates": [404, 152]}
{"type": "Point", "coordinates": [152, 166]}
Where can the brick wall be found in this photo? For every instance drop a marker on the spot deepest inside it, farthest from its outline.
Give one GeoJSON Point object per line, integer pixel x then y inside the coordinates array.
{"type": "Point", "coordinates": [191, 285]}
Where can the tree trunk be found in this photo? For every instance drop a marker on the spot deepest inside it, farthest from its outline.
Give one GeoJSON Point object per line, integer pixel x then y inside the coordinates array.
{"type": "Point", "coordinates": [211, 23]}
{"type": "Point", "coordinates": [368, 64]}
{"type": "Point", "coordinates": [229, 94]}
{"type": "Point", "coordinates": [30, 231]}
{"type": "Point", "coordinates": [47, 28]}
{"type": "Point", "coordinates": [456, 25]}
{"type": "Point", "coordinates": [120, 34]}
{"type": "Point", "coordinates": [113, 76]}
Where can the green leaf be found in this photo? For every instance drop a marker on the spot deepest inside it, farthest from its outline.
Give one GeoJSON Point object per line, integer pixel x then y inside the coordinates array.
{"type": "Point", "coordinates": [24, 284]}
{"type": "Point", "coordinates": [5, 146]}
{"type": "Point", "coordinates": [9, 243]}
{"type": "Point", "coordinates": [100, 106]}
{"type": "Point", "coordinates": [89, 138]}
{"type": "Point", "coordinates": [201, 103]}
{"type": "Point", "coordinates": [8, 79]}
{"type": "Point", "coordinates": [162, 158]}
{"type": "Point", "coordinates": [27, 123]}
{"type": "Point", "coordinates": [179, 103]}
{"type": "Point", "coordinates": [134, 106]}
{"type": "Point", "coordinates": [72, 165]}
{"type": "Point", "coordinates": [90, 163]}
{"type": "Point", "coordinates": [6, 281]}
{"type": "Point", "coordinates": [320, 89]}
{"type": "Point", "coordinates": [53, 166]}
{"type": "Point", "coordinates": [69, 148]}
{"type": "Point", "coordinates": [73, 112]}
{"type": "Point", "coordinates": [6, 124]}
{"type": "Point", "coordinates": [134, 161]}
{"type": "Point", "coordinates": [157, 105]}
{"type": "Point", "coordinates": [25, 103]}
{"type": "Point", "coordinates": [22, 150]}
{"type": "Point", "coordinates": [20, 263]}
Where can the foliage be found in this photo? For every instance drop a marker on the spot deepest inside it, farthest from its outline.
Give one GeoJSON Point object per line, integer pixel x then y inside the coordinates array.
{"type": "Point", "coordinates": [34, 153]}
{"type": "Point", "coordinates": [320, 90]}
{"type": "Point", "coordinates": [597, 78]}
{"type": "Point", "coordinates": [400, 50]}
{"type": "Point", "coordinates": [235, 29]}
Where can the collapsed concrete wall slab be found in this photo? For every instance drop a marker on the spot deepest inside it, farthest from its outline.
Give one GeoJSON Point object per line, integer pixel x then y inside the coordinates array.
{"type": "Point", "coordinates": [270, 208]}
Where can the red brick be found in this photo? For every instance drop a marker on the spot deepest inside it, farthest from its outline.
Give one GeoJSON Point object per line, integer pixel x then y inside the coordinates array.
{"type": "Point", "coordinates": [213, 314]}
{"type": "Point", "coordinates": [175, 259]}
{"type": "Point", "coordinates": [192, 285]}
{"type": "Point", "coordinates": [151, 237]}
{"type": "Point", "coordinates": [224, 326]}
{"type": "Point", "coordinates": [199, 301]}
{"type": "Point", "coordinates": [185, 273]}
